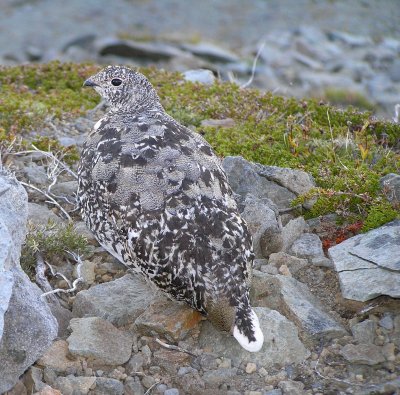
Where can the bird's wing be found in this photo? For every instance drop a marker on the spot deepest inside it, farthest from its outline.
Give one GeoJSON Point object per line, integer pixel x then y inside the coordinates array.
{"type": "Point", "coordinates": [165, 192]}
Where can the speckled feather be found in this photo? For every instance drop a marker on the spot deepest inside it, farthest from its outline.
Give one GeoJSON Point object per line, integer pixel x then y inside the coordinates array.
{"type": "Point", "coordinates": [156, 197]}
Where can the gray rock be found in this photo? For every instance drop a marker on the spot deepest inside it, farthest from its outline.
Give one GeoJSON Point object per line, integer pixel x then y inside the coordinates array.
{"type": "Point", "coordinates": [263, 226]}
{"type": "Point", "coordinates": [27, 326]}
{"type": "Point", "coordinates": [202, 76]}
{"type": "Point", "coordinates": [280, 185]}
{"type": "Point", "coordinates": [391, 187]}
{"type": "Point", "coordinates": [39, 214]}
{"type": "Point", "coordinates": [99, 341]}
{"type": "Point", "coordinates": [36, 174]}
{"type": "Point", "coordinates": [120, 301]}
{"type": "Point", "coordinates": [133, 386]}
{"type": "Point", "coordinates": [350, 39]}
{"type": "Point", "coordinates": [135, 363]}
{"type": "Point", "coordinates": [307, 61]}
{"type": "Point", "coordinates": [133, 49]}
{"type": "Point", "coordinates": [394, 71]}
{"type": "Point", "coordinates": [276, 391]}
{"type": "Point", "coordinates": [171, 391]}
{"type": "Point", "coordinates": [67, 188]}
{"type": "Point", "coordinates": [307, 246]}
{"type": "Point", "coordinates": [291, 387]}
{"type": "Point", "coordinates": [281, 343]}
{"type": "Point", "coordinates": [321, 261]}
{"type": "Point", "coordinates": [106, 386]}
{"type": "Point", "coordinates": [292, 297]}
{"type": "Point", "coordinates": [72, 385]}
{"type": "Point", "coordinates": [293, 263]}
{"type": "Point", "coordinates": [365, 331]}
{"type": "Point", "coordinates": [66, 141]}
{"type": "Point", "coordinates": [386, 322]}
{"type": "Point", "coordinates": [211, 52]}
{"type": "Point", "coordinates": [217, 377]}
{"type": "Point", "coordinates": [258, 263]}
{"type": "Point", "coordinates": [369, 264]}
{"type": "Point", "coordinates": [292, 231]}
{"type": "Point", "coordinates": [363, 354]}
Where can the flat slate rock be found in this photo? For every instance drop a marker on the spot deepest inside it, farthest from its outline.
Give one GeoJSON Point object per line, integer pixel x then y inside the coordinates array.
{"type": "Point", "coordinates": [295, 300]}
{"type": "Point", "coordinates": [380, 246]}
{"type": "Point", "coordinates": [369, 264]}
{"type": "Point", "coordinates": [99, 341]}
{"type": "Point", "coordinates": [120, 301]}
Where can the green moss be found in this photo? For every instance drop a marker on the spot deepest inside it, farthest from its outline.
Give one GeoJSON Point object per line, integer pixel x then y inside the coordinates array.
{"type": "Point", "coordinates": [30, 93]}
{"type": "Point", "coordinates": [348, 98]}
{"type": "Point", "coordinates": [379, 214]}
{"type": "Point", "coordinates": [53, 242]}
{"type": "Point", "coordinates": [347, 151]}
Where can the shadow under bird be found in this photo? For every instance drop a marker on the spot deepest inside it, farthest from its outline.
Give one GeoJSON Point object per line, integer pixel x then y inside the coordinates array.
{"type": "Point", "coordinates": [154, 194]}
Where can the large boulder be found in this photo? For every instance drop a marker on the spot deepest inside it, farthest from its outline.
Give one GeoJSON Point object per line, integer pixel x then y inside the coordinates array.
{"type": "Point", "coordinates": [369, 264]}
{"type": "Point", "coordinates": [27, 326]}
{"type": "Point", "coordinates": [120, 301]}
{"type": "Point", "coordinates": [279, 184]}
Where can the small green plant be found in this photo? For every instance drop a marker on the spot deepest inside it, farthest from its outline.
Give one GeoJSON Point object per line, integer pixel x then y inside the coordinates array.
{"type": "Point", "coordinates": [53, 242]}
{"type": "Point", "coordinates": [379, 214]}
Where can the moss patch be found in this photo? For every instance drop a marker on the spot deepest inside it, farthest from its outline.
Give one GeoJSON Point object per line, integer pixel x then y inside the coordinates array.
{"type": "Point", "coordinates": [347, 151]}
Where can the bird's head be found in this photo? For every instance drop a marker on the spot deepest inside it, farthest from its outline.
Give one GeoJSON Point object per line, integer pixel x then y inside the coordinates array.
{"type": "Point", "coordinates": [123, 87]}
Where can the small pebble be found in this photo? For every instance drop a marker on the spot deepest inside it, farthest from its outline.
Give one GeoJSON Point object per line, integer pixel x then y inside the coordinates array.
{"type": "Point", "coordinates": [148, 381]}
{"type": "Point", "coordinates": [263, 372]}
{"type": "Point", "coordinates": [99, 373]}
{"type": "Point", "coordinates": [225, 363]}
{"type": "Point", "coordinates": [380, 340]}
{"type": "Point", "coordinates": [386, 322]}
{"type": "Point", "coordinates": [359, 377]}
{"type": "Point", "coordinates": [161, 388]}
{"type": "Point", "coordinates": [251, 368]}
{"type": "Point", "coordinates": [284, 270]}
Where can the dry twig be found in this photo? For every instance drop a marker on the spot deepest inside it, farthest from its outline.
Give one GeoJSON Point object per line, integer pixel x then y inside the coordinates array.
{"type": "Point", "coordinates": [173, 347]}
{"type": "Point", "coordinates": [51, 199]}
{"type": "Point", "coordinates": [79, 279]}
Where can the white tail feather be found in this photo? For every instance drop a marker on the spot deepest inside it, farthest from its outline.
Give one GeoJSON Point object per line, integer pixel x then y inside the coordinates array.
{"type": "Point", "coordinates": [252, 346]}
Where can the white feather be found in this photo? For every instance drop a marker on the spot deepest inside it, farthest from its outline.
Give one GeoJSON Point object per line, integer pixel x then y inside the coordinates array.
{"type": "Point", "coordinates": [252, 346]}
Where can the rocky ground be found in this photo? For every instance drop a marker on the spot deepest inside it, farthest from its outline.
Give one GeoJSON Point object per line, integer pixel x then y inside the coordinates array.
{"type": "Point", "coordinates": [117, 335]}
{"type": "Point", "coordinates": [345, 52]}
{"type": "Point", "coordinates": [330, 313]}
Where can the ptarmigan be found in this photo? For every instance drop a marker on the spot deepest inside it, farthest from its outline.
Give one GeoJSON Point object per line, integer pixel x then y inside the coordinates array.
{"type": "Point", "coordinates": [154, 194]}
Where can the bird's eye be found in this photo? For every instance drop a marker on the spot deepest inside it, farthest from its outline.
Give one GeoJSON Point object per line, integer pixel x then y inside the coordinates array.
{"type": "Point", "coordinates": [116, 81]}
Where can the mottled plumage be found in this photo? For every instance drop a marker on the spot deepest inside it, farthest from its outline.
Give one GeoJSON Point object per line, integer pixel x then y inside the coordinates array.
{"type": "Point", "coordinates": [156, 197]}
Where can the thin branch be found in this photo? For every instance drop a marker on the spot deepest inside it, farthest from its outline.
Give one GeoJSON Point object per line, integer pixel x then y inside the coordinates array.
{"type": "Point", "coordinates": [253, 69]}
{"type": "Point", "coordinates": [55, 274]}
{"type": "Point", "coordinates": [78, 280]}
{"type": "Point", "coordinates": [396, 113]}
{"type": "Point", "coordinates": [151, 388]}
{"type": "Point", "coordinates": [40, 276]}
{"type": "Point", "coordinates": [173, 347]}
{"type": "Point", "coordinates": [51, 199]}
{"type": "Point", "coordinates": [48, 155]}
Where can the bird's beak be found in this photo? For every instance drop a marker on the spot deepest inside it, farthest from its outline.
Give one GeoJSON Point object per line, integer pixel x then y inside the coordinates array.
{"type": "Point", "coordinates": [89, 82]}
